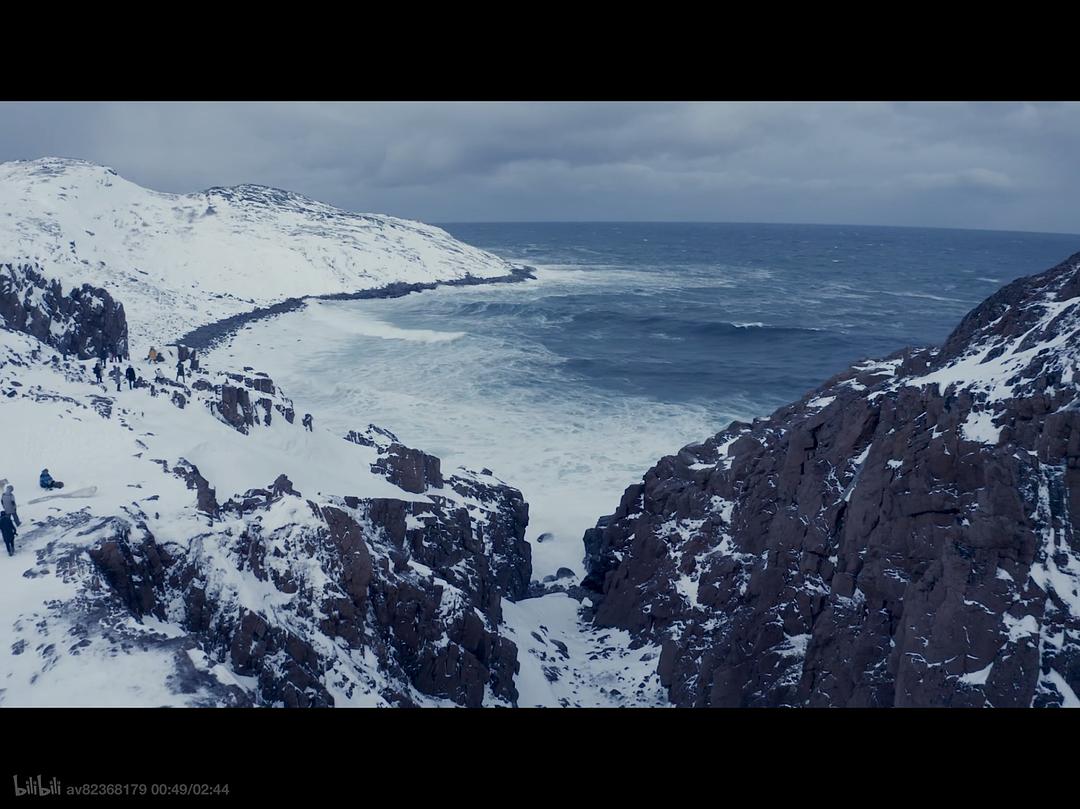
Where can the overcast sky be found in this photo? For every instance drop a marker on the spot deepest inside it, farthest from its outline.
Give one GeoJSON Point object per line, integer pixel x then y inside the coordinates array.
{"type": "Point", "coordinates": [1012, 166]}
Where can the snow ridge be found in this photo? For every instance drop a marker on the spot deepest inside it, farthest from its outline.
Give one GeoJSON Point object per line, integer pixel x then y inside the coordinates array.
{"type": "Point", "coordinates": [178, 261]}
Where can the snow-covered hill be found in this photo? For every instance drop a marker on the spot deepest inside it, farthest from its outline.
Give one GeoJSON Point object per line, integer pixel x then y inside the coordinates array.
{"type": "Point", "coordinates": [180, 261]}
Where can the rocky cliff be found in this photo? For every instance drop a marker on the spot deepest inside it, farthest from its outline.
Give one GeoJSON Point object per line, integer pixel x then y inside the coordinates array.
{"type": "Point", "coordinates": [902, 536]}
{"type": "Point", "coordinates": [85, 322]}
{"type": "Point", "coordinates": [366, 597]}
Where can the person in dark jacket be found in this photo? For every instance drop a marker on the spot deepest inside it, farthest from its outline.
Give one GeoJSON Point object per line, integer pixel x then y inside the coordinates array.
{"type": "Point", "coordinates": [307, 422]}
{"type": "Point", "coordinates": [179, 370]}
{"type": "Point", "coordinates": [7, 501]}
{"type": "Point", "coordinates": [130, 373]}
{"type": "Point", "coordinates": [47, 482]}
{"type": "Point", "coordinates": [97, 371]}
{"type": "Point", "coordinates": [7, 528]}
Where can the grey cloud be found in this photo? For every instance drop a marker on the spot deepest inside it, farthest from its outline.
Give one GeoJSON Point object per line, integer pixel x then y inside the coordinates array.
{"type": "Point", "coordinates": [984, 165]}
{"type": "Point", "coordinates": [977, 178]}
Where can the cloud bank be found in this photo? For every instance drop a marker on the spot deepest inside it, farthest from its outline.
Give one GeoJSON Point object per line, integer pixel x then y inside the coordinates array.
{"type": "Point", "coordinates": [1008, 166]}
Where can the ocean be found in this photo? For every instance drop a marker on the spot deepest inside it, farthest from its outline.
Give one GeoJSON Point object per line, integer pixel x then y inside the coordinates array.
{"type": "Point", "coordinates": [634, 340]}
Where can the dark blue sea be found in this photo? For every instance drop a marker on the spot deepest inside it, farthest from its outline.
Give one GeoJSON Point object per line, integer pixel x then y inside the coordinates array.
{"type": "Point", "coordinates": [700, 312]}
{"type": "Point", "coordinates": [635, 340]}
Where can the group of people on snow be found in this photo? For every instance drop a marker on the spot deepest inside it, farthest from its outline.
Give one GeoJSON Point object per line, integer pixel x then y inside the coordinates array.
{"type": "Point", "coordinates": [154, 356]}
{"type": "Point", "coordinates": [9, 517]}
{"type": "Point", "coordinates": [157, 356]}
{"type": "Point", "coordinates": [117, 377]}
{"type": "Point", "coordinates": [113, 355]}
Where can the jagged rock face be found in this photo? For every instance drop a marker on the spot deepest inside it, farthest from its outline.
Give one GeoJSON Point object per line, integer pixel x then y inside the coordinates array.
{"type": "Point", "coordinates": [235, 408]}
{"type": "Point", "coordinates": [346, 581]}
{"type": "Point", "coordinates": [417, 585]}
{"type": "Point", "coordinates": [86, 321]}
{"type": "Point", "coordinates": [496, 535]}
{"type": "Point", "coordinates": [411, 469]}
{"type": "Point", "coordinates": [903, 536]}
{"type": "Point", "coordinates": [239, 406]}
{"type": "Point", "coordinates": [206, 501]}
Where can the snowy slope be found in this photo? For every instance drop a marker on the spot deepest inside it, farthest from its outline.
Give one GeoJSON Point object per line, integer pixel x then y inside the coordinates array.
{"type": "Point", "coordinates": [180, 261]}
{"type": "Point", "coordinates": [566, 662]}
{"type": "Point", "coordinates": [89, 435]}
{"type": "Point", "coordinates": [102, 601]}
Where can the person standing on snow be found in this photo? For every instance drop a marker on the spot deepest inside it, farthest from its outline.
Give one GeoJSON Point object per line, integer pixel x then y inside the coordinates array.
{"type": "Point", "coordinates": [130, 377]}
{"type": "Point", "coordinates": [7, 500]}
{"type": "Point", "coordinates": [117, 376]}
{"type": "Point", "coordinates": [179, 370]}
{"type": "Point", "coordinates": [97, 371]}
{"type": "Point", "coordinates": [7, 528]}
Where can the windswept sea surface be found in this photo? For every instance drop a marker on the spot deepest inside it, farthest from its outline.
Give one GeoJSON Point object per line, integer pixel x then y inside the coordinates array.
{"type": "Point", "coordinates": [634, 340]}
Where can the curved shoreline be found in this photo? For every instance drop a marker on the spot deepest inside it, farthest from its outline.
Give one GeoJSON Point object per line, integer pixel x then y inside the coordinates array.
{"type": "Point", "coordinates": [210, 335]}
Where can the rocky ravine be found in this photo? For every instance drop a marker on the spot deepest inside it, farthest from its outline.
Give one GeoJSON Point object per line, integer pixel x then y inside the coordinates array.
{"type": "Point", "coordinates": [903, 536]}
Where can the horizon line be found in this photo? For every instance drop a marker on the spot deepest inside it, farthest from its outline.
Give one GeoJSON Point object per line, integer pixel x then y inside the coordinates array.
{"type": "Point", "coordinates": [719, 222]}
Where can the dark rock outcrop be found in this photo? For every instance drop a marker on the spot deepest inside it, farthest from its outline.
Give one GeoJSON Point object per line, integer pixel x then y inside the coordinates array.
{"type": "Point", "coordinates": [251, 402]}
{"type": "Point", "coordinates": [206, 497]}
{"type": "Point", "coordinates": [903, 536]}
{"type": "Point", "coordinates": [418, 586]}
{"type": "Point", "coordinates": [235, 408]}
{"type": "Point", "coordinates": [86, 322]}
{"type": "Point", "coordinates": [412, 470]}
